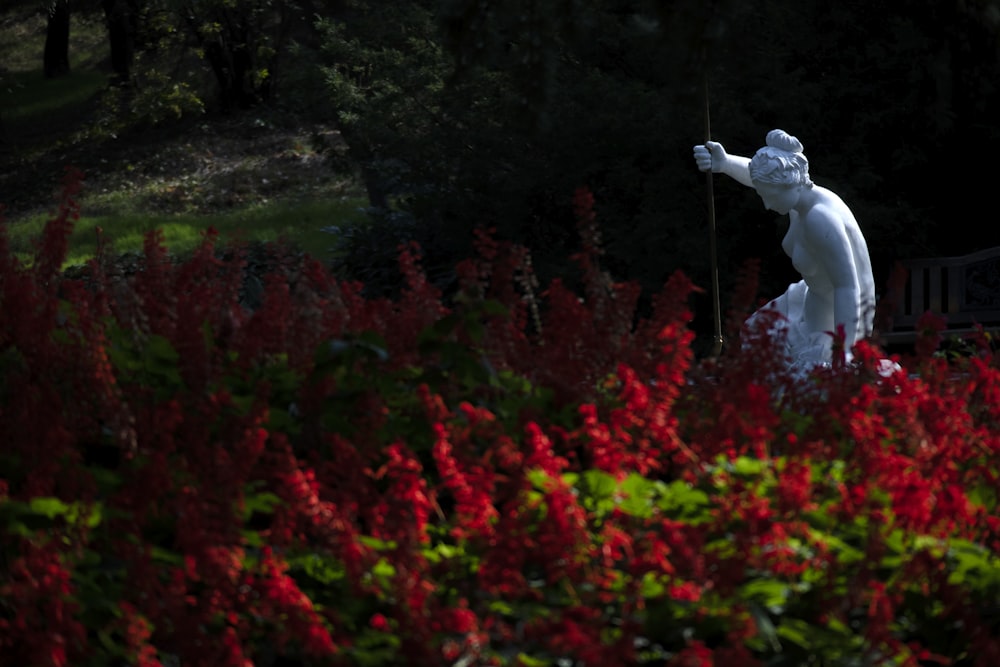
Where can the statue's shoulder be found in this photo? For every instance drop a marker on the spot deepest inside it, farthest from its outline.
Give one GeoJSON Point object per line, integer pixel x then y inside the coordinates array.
{"type": "Point", "coordinates": [832, 198]}
{"type": "Point", "coordinates": [821, 216]}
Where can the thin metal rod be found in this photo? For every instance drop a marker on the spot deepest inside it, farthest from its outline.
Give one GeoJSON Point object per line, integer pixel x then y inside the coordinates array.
{"type": "Point", "coordinates": [709, 183]}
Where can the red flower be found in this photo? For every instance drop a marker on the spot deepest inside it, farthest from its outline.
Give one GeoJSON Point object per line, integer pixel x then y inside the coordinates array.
{"type": "Point", "coordinates": [695, 654]}
{"type": "Point", "coordinates": [379, 622]}
{"type": "Point", "coordinates": [929, 327]}
{"type": "Point", "coordinates": [795, 487]}
{"type": "Point", "coordinates": [686, 591]}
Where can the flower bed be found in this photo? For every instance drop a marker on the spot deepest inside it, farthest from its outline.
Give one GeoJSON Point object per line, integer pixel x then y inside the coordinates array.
{"type": "Point", "coordinates": [508, 476]}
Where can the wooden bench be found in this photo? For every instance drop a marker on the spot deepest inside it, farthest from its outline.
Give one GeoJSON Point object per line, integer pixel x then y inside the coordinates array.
{"type": "Point", "coordinates": [964, 290]}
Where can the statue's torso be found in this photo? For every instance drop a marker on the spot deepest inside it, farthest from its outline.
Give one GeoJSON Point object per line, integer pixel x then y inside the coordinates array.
{"type": "Point", "coordinates": [806, 256]}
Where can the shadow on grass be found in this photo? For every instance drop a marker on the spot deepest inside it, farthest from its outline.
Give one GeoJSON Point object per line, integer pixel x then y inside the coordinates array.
{"type": "Point", "coordinates": [30, 95]}
{"type": "Point", "coordinates": [33, 104]}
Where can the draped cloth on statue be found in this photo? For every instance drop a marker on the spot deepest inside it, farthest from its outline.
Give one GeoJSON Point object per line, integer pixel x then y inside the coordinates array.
{"type": "Point", "coordinates": [804, 347]}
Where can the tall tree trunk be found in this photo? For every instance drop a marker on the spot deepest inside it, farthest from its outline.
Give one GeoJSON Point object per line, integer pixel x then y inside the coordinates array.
{"type": "Point", "coordinates": [120, 18]}
{"type": "Point", "coordinates": [56, 57]}
{"type": "Point", "coordinates": [227, 53]}
{"type": "Point", "coordinates": [374, 181]}
{"type": "Point", "coordinates": [221, 62]}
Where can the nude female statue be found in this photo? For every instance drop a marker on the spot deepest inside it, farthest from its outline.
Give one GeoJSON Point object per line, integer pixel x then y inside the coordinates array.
{"type": "Point", "coordinates": [823, 240]}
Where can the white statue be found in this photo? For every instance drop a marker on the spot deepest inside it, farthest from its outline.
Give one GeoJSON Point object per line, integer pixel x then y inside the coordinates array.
{"type": "Point", "coordinates": [823, 240]}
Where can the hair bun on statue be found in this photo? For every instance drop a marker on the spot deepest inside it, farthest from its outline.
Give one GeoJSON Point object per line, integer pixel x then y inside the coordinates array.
{"type": "Point", "coordinates": [782, 140]}
{"type": "Point", "coordinates": [781, 161]}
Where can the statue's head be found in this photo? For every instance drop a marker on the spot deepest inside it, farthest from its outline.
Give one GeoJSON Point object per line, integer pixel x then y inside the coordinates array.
{"type": "Point", "coordinates": [780, 162]}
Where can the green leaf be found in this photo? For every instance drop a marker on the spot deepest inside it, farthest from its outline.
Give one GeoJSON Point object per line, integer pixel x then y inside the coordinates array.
{"type": "Point", "coordinates": [383, 571]}
{"type": "Point", "coordinates": [493, 308]}
{"type": "Point", "coordinates": [438, 331]}
{"type": "Point", "coordinates": [637, 496]}
{"type": "Point", "coordinates": [796, 631]}
{"type": "Point", "coordinates": [766, 592]}
{"type": "Point", "coordinates": [325, 571]}
{"type": "Point", "coordinates": [539, 479]}
{"type": "Point", "coordinates": [474, 328]}
{"type": "Point", "coordinates": [448, 551]}
{"type": "Point", "coordinates": [48, 507]}
{"type": "Point", "coordinates": [680, 500]}
{"type": "Point", "coordinates": [94, 516]}
{"type": "Point", "coordinates": [160, 352]}
{"type": "Point", "coordinates": [983, 495]}
{"type": "Point", "coordinates": [162, 555]}
{"type": "Point", "coordinates": [599, 484]}
{"type": "Point", "coordinates": [744, 466]}
{"type": "Point", "coordinates": [570, 478]}
{"type": "Point", "coordinates": [973, 564]}
{"type": "Point", "coordinates": [376, 543]}
{"type": "Point", "coordinates": [501, 607]}
{"type": "Point", "coordinates": [637, 485]}
{"type": "Point", "coordinates": [846, 554]}
{"type": "Point", "coordinates": [637, 506]}
{"type": "Point", "coordinates": [252, 538]}
{"type": "Point", "coordinates": [109, 644]}
{"type": "Point", "coordinates": [264, 503]}
{"type": "Point", "coordinates": [651, 587]}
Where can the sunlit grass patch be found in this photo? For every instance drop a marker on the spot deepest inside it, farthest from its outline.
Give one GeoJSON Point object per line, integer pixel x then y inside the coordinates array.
{"type": "Point", "coordinates": [296, 223]}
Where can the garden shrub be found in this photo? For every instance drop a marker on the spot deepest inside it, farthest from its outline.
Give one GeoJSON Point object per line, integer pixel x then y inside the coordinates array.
{"type": "Point", "coordinates": [516, 475]}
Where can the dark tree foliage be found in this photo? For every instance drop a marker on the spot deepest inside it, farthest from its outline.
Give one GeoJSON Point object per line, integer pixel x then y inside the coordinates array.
{"type": "Point", "coordinates": [243, 42]}
{"type": "Point", "coordinates": [530, 101]}
{"type": "Point", "coordinates": [180, 56]}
